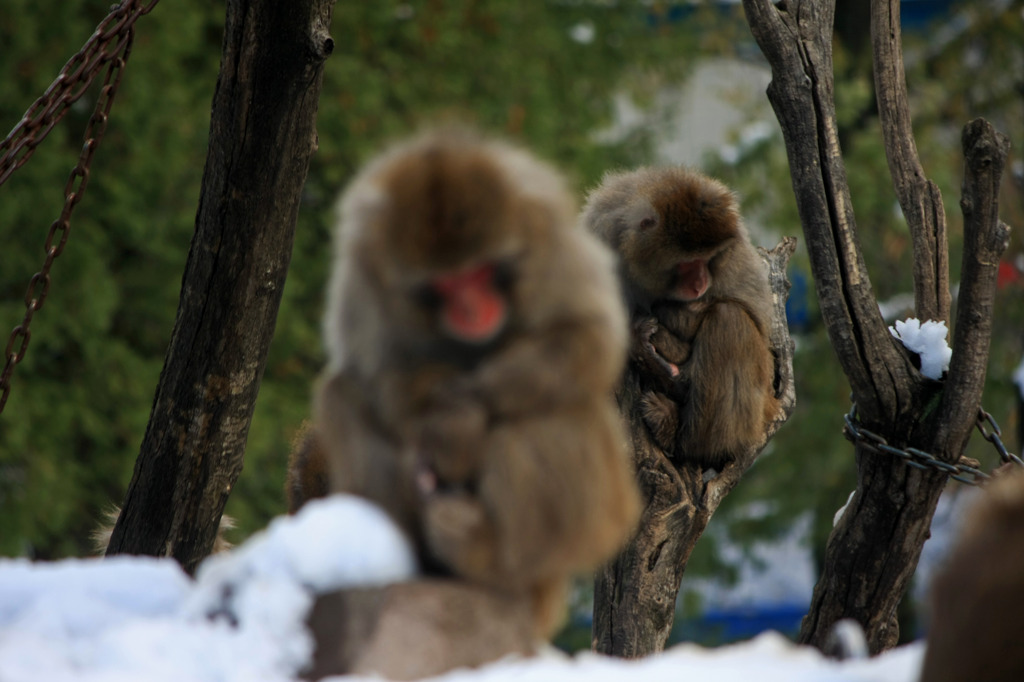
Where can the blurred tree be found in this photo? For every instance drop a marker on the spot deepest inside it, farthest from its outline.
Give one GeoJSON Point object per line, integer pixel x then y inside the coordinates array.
{"type": "Point", "coordinates": [80, 400]}
{"type": "Point", "coordinates": [262, 135]}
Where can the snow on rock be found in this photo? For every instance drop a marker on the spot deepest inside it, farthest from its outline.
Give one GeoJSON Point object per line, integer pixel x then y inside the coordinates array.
{"type": "Point", "coordinates": [126, 619]}
{"type": "Point", "coordinates": [140, 618]}
{"type": "Point", "coordinates": [337, 542]}
{"type": "Point", "coordinates": [928, 340]}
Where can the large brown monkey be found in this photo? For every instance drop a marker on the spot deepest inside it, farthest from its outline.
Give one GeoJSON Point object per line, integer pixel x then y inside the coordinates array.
{"type": "Point", "coordinates": [700, 303]}
{"type": "Point", "coordinates": [475, 337]}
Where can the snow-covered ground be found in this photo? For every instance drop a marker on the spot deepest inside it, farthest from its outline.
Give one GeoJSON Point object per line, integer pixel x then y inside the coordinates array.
{"type": "Point", "coordinates": [133, 618]}
{"type": "Point", "coordinates": [136, 618]}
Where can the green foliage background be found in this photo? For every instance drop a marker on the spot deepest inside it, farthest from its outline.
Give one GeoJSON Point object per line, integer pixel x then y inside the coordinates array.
{"type": "Point", "coordinates": [80, 401]}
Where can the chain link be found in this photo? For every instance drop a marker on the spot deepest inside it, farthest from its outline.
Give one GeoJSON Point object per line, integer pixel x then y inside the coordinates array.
{"type": "Point", "coordinates": [994, 437]}
{"type": "Point", "coordinates": [857, 434]}
{"type": "Point", "coordinates": [108, 48]}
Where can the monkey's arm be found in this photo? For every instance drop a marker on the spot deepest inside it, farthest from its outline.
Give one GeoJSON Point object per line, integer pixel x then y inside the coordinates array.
{"type": "Point", "coordinates": [556, 495]}
{"type": "Point", "coordinates": [448, 442]}
{"type": "Point", "coordinates": [545, 369]}
{"type": "Point", "coordinates": [672, 349]}
{"type": "Point", "coordinates": [728, 393]}
{"type": "Point", "coordinates": [644, 354]}
{"type": "Point", "coordinates": [363, 457]}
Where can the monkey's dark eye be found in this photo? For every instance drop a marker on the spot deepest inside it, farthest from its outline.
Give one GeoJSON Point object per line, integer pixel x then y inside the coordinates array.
{"type": "Point", "coordinates": [427, 296]}
{"type": "Point", "coordinates": [647, 223]}
{"type": "Point", "coordinates": [504, 274]}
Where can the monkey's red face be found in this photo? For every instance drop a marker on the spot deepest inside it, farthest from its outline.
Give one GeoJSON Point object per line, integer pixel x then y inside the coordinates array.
{"type": "Point", "coordinates": [692, 280]}
{"type": "Point", "coordinates": [471, 304]}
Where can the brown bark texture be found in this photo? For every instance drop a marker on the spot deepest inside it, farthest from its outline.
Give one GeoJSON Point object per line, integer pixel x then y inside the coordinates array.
{"type": "Point", "coordinates": [635, 594]}
{"type": "Point", "coordinates": [262, 134]}
{"type": "Point", "coordinates": [873, 551]}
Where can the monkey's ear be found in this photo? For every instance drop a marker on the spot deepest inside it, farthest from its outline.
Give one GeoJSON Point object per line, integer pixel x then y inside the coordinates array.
{"type": "Point", "coordinates": [615, 208]}
{"type": "Point", "coordinates": [639, 215]}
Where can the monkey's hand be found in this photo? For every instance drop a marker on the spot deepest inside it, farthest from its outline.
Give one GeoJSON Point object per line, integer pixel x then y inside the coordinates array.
{"type": "Point", "coordinates": [448, 443]}
{"type": "Point", "coordinates": [674, 350]}
{"type": "Point", "coordinates": [661, 415]}
{"type": "Point", "coordinates": [643, 351]}
{"type": "Point", "coordinates": [459, 534]}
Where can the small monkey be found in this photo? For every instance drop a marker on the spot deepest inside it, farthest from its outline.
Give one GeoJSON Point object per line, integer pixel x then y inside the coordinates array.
{"type": "Point", "coordinates": [474, 339]}
{"type": "Point", "coordinates": [700, 302]}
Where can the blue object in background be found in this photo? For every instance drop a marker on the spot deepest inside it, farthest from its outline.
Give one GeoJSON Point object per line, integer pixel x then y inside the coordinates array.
{"type": "Point", "coordinates": [915, 15]}
{"type": "Point", "coordinates": [722, 626]}
{"type": "Point", "coordinates": [798, 315]}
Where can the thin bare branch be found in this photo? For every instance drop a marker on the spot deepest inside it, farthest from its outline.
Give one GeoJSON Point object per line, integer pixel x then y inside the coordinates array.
{"type": "Point", "coordinates": [919, 197]}
{"type": "Point", "coordinates": [985, 240]}
{"type": "Point", "coordinates": [796, 39]}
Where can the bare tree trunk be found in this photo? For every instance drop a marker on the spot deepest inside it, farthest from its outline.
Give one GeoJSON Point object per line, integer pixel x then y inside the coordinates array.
{"type": "Point", "coordinates": [635, 595]}
{"type": "Point", "coordinates": [262, 134]}
{"type": "Point", "coordinates": [874, 549]}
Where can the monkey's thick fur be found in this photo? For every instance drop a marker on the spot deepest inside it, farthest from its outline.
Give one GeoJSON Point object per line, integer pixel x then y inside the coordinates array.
{"type": "Point", "coordinates": [504, 460]}
{"type": "Point", "coordinates": [700, 305]}
{"type": "Point", "coordinates": [307, 477]}
{"type": "Point", "coordinates": [977, 598]}
{"type": "Point", "coordinates": [101, 535]}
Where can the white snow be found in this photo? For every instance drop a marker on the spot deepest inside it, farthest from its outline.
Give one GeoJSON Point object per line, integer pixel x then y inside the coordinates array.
{"type": "Point", "coordinates": [899, 304]}
{"type": "Point", "coordinates": [1018, 377]}
{"type": "Point", "coordinates": [136, 618]}
{"type": "Point", "coordinates": [583, 32]}
{"type": "Point", "coordinates": [779, 572]}
{"type": "Point", "coordinates": [928, 340]}
{"type": "Point", "coordinates": [766, 658]}
{"type": "Point", "coordinates": [842, 510]}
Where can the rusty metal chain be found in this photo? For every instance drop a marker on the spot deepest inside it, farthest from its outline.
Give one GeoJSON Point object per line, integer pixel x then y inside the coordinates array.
{"type": "Point", "coordinates": [920, 459]}
{"type": "Point", "coordinates": [994, 436]}
{"type": "Point", "coordinates": [108, 48]}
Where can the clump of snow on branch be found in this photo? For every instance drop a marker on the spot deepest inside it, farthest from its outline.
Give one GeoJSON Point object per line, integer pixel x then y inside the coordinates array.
{"type": "Point", "coordinates": [928, 340]}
